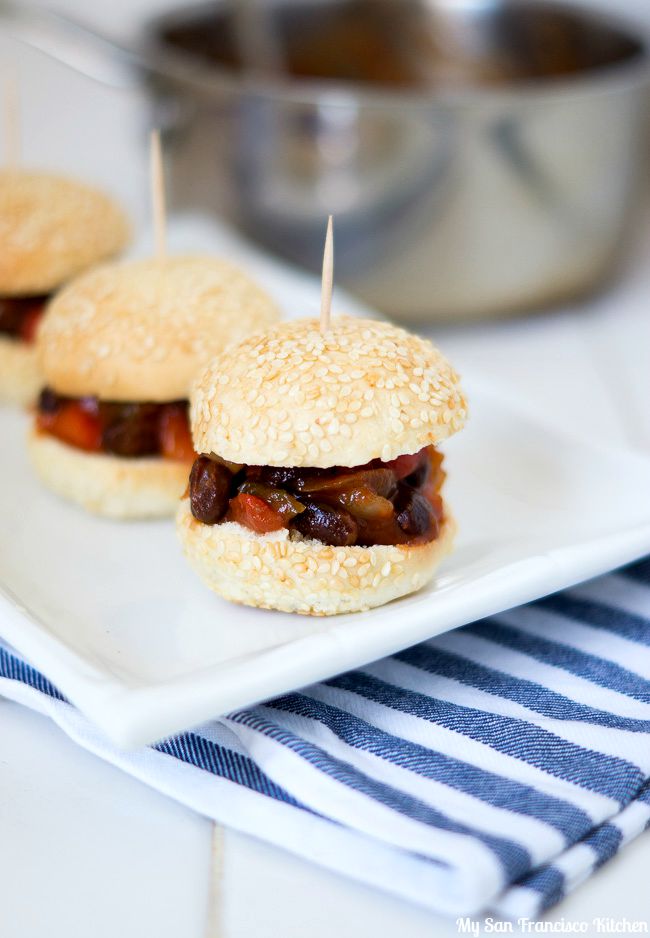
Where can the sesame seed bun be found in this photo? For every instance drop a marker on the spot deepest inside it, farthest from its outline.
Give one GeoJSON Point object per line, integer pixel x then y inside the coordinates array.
{"type": "Point", "coordinates": [51, 228]}
{"type": "Point", "coordinates": [20, 379]}
{"type": "Point", "coordinates": [294, 397]}
{"type": "Point", "coordinates": [125, 489]}
{"type": "Point", "coordinates": [142, 330]}
{"type": "Point", "coordinates": [287, 572]}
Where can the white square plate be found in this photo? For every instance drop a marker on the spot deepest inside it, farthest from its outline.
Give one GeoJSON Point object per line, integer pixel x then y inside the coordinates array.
{"type": "Point", "coordinates": [114, 617]}
{"type": "Point", "coordinates": [112, 614]}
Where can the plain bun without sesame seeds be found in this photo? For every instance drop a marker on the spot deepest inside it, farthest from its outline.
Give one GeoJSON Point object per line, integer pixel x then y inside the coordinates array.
{"type": "Point", "coordinates": [294, 396]}
{"type": "Point", "coordinates": [141, 330]}
{"type": "Point", "coordinates": [52, 228]}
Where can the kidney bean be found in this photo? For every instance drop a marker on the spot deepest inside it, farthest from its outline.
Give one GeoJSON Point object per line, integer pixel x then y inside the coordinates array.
{"type": "Point", "coordinates": [210, 489]}
{"type": "Point", "coordinates": [414, 513]}
{"type": "Point", "coordinates": [332, 526]}
{"type": "Point", "coordinates": [289, 477]}
{"type": "Point", "coordinates": [15, 310]}
{"type": "Point", "coordinates": [48, 401]}
{"type": "Point", "coordinates": [283, 477]}
{"type": "Point", "coordinates": [133, 431]}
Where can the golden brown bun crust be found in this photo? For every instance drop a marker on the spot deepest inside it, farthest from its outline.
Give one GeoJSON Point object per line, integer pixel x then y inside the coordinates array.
{"type": "Point", "coordinates": [52, 228]}
{"type": "Point", "coordinates": [20, 378]}
{"type": "Point", "coordinates": [304, 576]}
{"type": "Point", "coordinates": [142, 330]}
{"type": "Point", "coordinates": [295, 397]}
{"type": "Point", "coordinates": [125, 489]}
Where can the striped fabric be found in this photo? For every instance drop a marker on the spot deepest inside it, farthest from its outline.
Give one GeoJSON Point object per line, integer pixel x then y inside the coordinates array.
{"type": "Point", "coordinates": [492, 768]}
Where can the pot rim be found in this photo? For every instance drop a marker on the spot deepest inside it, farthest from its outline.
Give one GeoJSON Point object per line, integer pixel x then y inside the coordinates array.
{"type": "Point", "coordinates": [208, 79]}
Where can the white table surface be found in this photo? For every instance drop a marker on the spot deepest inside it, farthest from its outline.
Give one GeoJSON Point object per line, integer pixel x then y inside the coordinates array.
{"type": "Point", "coordinates": [87, 851]}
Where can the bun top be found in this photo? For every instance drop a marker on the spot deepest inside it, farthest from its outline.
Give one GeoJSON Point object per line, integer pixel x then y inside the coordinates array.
{"type": "Point", "coordinates": [51, 228]}
{"type": "Point", "coordinates": [294, 397]}
{"type": "Point", "coordinates": [142, 330]}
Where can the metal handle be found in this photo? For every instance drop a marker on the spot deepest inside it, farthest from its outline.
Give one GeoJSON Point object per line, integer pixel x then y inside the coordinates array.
{"type": "Point", "coordinates": [82, 48]}
{"type": "Point", "coordinates": [74, 44]}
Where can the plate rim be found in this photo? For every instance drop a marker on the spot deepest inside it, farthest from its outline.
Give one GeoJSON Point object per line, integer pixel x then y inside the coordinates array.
{"type": "Point", "coordinates": [136, 715]}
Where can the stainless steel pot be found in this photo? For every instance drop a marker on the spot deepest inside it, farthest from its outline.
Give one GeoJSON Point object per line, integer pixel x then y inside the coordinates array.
{"type": "Point", "coordinates": [492, 166]}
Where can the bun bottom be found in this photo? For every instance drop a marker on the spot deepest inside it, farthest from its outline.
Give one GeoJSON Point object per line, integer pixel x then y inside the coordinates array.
{"type": "Point", "coordinates": [275, 571]}
{"type": "Point", "coordinates": [20, 377]}
{"type": "Point", "coordinates": [125, 489]}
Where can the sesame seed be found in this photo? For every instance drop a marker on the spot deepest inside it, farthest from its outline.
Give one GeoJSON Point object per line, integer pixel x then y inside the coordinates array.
{"type": "Point", "coordinates": [366, 390]}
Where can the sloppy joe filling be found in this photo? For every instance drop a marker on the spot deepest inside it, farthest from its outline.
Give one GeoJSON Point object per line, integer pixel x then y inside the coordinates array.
{"type": "Point", "coordinates": [116, 427]}
{"type": "Point", "coordinates": [396, 502]}
{"type": "Point", "coordinates": [20, 316]}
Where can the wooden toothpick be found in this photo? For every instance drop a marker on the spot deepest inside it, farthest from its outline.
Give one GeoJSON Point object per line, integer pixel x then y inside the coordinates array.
{"type": "Point", "coordinates": [11, 120]}
{"type": "Point", "coordinates": [327, 278]}
{"type": "Point", "coordinates": [158, 196]}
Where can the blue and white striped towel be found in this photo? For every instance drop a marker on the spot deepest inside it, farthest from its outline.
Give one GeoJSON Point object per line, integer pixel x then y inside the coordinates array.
{"type": "Point", "coordinates": [494, 767]}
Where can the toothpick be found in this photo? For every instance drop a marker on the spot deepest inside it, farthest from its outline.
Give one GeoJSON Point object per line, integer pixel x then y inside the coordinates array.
{"type": "Point", "coordinates": [158, 196]}
{"type": "Point", "coordinates": [327, 278]}
{"type": "Point", "coordinates": [11, 119]}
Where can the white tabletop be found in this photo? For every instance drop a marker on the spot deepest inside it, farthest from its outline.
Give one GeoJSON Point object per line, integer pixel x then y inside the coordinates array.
{"type": "Point", "coordinates": [86, 850]}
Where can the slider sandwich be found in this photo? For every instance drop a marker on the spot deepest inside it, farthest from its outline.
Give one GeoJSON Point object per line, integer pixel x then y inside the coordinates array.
{"type": "Point", "coordinates": [51, 229]}
{"type": "Point", "coordinates": [318, 484]}
{"type": "Point", "coordinates": [118, 349]}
